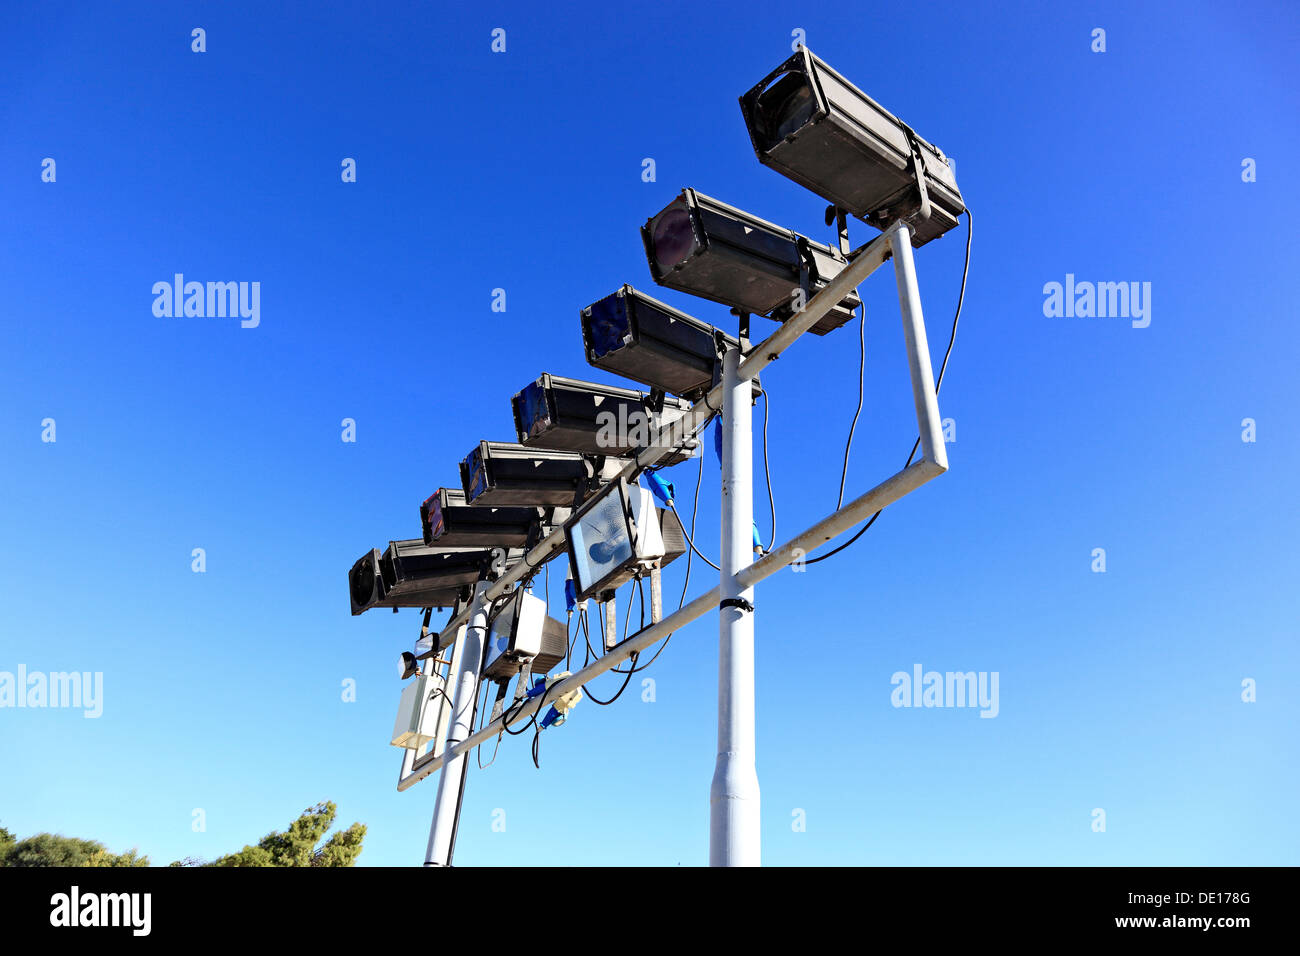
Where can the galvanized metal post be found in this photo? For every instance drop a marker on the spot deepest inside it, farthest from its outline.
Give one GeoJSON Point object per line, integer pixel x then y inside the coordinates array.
{"type": "Point", "coordinates": [734, 838]}
{"type": "Point", "coordinates": [468, 656]}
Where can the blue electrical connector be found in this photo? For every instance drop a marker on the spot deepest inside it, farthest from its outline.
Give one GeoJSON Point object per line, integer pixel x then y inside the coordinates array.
{"type": "Point", "coordinates": [663, 490]}
{"type": "Point", "coordinates": [570, 595]}
{"type": "Point", "coordinates": [758, 542]}
{"type": "Point", "coordinates": [553, 716]}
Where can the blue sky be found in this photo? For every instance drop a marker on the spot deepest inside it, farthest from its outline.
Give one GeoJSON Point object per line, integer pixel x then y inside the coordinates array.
{"type": "Point", "coordinates": [522, 170]}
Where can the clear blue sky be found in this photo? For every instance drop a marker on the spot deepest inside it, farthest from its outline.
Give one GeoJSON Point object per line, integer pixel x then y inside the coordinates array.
{"type": "Point", "coordinates": [522, 171]}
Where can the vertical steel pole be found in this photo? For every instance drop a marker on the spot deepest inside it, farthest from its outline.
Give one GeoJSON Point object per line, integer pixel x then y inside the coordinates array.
{"type": "Point", "coordinates": [733, 798]}
{"type": "Point", "coordinates": [468, 656]}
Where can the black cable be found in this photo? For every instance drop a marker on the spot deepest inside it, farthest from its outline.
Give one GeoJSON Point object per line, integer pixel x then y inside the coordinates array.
{"type": "Point", "coordinates": [690, 539]}
{"type": "Point", "coordinates": [695, 511]}
{"type": "Point", "coordinates": [626, 681]}
{"type": "Point", "coordinates": [532, 718]}
{"type": "Point", "coordinates": [767, 471]}
{"type": "Point", "coordinates": [513, 709]}
{"type": "Point", "coordinates": [961, 297]}
{"type": "Point", "coordinates": [862, 370]}
{"type": "Point", "coordinates": [478, 751]}
{"type": "Point", "coordinates": [568, 641]}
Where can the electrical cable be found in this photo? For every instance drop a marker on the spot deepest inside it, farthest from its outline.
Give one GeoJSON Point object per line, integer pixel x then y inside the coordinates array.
{"type": "Point", "coordinates": [767, 471]}
{"type": "Point", "coordinates": [690, 539]}
{"type": "Point", "coordinates": [961, 297]}
{"type": "Point", "coordinates": [626, 681]}
{"type": "Point", "coordinates": [478, 751]}
{"type": "Point", "coordinates": [695, 511]}
{"type": "Point", "coordinates": [862, 370]}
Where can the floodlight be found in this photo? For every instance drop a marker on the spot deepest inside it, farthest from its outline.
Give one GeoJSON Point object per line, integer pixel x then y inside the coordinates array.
{"type": "Point", "coordinates": [809, 123]}
{"type": "Point", "coordinates": [450, 522]}
{"type": "Point", "coordinates": [565, 413]}
{"type": "Point", "coordinates": [409, 574]}
{"type": "Point", "coordinates": [707, 248]}
{"type": "Point", "coordinates": [504, 473]}
{"type": "Point", "coordinates": [643, 339]}
{"type": "Point", "coordinates": [613, 537]}
{"type": "Point", "coordinates": [408, 665]}
{"type": "Point", "coordinates": [367, 589]}
{"type": "Point", "coordinates": [522, 633]}
{"type": "Point", "coordinates": [413, 566]}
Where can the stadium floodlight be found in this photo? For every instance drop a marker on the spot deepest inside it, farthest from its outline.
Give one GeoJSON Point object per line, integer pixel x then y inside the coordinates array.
{"type": "Point", "coordinates": [809, 123]}
{"type": "Point", "coordinates": [705, 247]}
{"type": "Point", "coordinates": [505, 473]}
{"type": "Point", "coordinates": [523, 634]}
{"type": "Point", "coordinates": [450, 522]}
{"type": "Point", "coordinates": [411, 574]}
{"type": "Point", "coordinates": [631, 334]}
{"type": "Point", "coordinates": [616, 536]}
{"type": "Point", "coordinates": [367, 589]}
{"type": "Point", "coordinates": [412, 566]}
{"type": "Point", "coordinates": [565, 413]}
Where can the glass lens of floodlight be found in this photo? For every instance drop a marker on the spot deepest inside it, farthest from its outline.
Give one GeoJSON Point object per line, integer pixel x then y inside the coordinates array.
{"type": "Point", "coordinates": [601, 541]}
{"type": "Point", "coordinates": [407, 665]}
{"type": "Point", "coordinates": [477, 474]}
{"type": "Point", "coordinates": [535, 413]}
{"type": "Point", "coordinates": [363, 580]}
{"type": "Point", "coordinates": [437, 526]}
{"type": "Point", "coordinates": [786, 106]}
{"type": "Point", "coordinates": [674, 237]}
{"type": "Point", "coordinates": [607, 325]}
{"type": "Point", "coordinates": [388, 568]}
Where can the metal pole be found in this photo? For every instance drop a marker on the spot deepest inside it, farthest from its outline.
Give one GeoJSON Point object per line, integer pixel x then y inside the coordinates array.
{"type": "Point", "coordinates": [918, 352]}
{"type": "Point", "coordinates": [733, 797]}
{"type": "Point", "coordinates": [469, 658]}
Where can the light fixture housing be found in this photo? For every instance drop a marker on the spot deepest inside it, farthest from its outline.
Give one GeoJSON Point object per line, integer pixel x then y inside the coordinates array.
{"type": "Point", "coordinates": [569, 414]}
{"type": "Point", "coordinates": [411, 566]}
{"type": "Point", "coordinates": [641, 338]}
{"type": "Point", "coordinates": [411, 574]}
{"type": "Point", "coordinates": [408, 665]}
{"type": "Point", "coordinates": [522, 633]}
{"type": "Point", "coordinates": [509, 474]}
{"type": "Point", "coordinates": [636, 336]}
{"type": "Point", "coordinates": [449, 521]}
{"type": "Point", "coordinates": [811, 124]}
{"type": "Point", "coordinates": [700, 245]}
{"type": "Point", "coordinates": [366, 588]}
{"type": "Point", "coordinates": [615, 535]}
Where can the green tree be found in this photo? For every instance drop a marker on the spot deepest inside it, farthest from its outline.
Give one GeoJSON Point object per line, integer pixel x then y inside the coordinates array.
{"type": "Point", "coordinates": [6, 844]}
{"type": "Point", "coordinates": [131, 857]}
{"type": "Point", "coordinates": [52, 849]}
{"type": "Point", "coordinates": [301, 844]}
